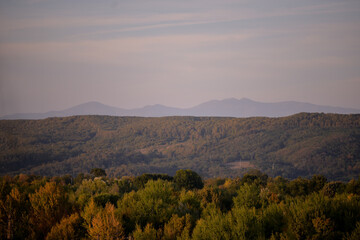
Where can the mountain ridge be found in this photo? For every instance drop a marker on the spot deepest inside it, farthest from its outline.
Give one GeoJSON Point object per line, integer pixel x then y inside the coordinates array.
{"type": "Point", "coordinates": [299, 145]}
{"type": "Point", "coordinates": [229, 107]}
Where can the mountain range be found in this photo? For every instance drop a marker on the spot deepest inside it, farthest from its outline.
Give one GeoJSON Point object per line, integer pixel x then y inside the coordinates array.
{"type": "Point", "coordinates": [230, 107]}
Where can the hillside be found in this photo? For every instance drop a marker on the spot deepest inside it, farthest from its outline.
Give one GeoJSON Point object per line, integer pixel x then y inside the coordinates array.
{"type": "Point", "coordinates": [299, 145]}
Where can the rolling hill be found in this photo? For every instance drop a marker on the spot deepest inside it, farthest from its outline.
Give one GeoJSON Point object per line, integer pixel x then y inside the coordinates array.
{"type": "Point", "coordinates": [299, 145]}
{"type": "Point", "coordinates": [231, 107]}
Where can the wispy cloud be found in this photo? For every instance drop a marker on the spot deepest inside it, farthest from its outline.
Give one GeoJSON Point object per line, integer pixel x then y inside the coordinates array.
{"type": "Point", "coordinates": [138, 22]}
{"type": "Point", "coordinates": [110, 51]}
{"type": "Point", "coordinates": [154, 51]}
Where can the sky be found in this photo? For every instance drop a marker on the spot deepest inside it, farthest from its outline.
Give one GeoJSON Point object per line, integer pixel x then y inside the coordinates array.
{"type": "Point", "coordinates": [131, 53]}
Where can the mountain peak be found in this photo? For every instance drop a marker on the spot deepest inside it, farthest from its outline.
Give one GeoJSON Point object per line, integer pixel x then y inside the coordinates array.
{"type": "Point", "coordinates": [236, 100]}
{"type": "Point", "coordinates": [90, 104]}
{"type": "Point", "coordinates": [246, 100]}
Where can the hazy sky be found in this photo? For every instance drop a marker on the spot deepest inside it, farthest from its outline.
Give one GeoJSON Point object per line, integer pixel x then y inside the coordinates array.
{"type": "Point", "coordinates": [55, 54]}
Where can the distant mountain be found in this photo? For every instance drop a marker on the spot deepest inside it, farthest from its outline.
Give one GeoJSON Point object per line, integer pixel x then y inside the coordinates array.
{"type": "Point", "coordinates": [156, 110]}
{"type": "Point", "coordinates": [90, 108]}
{"type": "Point", "coordinates": [248, 108]}
{"type": "Point", "coordinates": [231, 107]}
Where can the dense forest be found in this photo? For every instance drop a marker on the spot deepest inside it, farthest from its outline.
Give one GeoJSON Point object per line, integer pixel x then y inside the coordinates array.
{"type": "Point", "coordinates": [299, 145]}
{"type": "Point", "coordinates": [159, 206]}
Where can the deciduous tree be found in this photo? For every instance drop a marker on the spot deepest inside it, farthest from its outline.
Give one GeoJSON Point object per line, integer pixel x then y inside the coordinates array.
{"type": "Point", "coordinates": [105, 225]}
{"type": "Point", "coordinates": [188, 179]}
{"type": "Point", "coordinates": [48, 205]}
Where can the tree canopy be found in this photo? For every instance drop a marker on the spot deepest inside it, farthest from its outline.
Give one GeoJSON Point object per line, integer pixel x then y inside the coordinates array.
{"type": "Point", "coordinates": [188, 179]}
{"type": "Point", "coordinates": [35, 207]}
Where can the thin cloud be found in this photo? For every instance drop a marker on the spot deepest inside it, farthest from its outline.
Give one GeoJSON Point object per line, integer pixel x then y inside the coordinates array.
{"type": "Point", "coordinates": [142, 22]}
{"type": "Point", "coordinates": [111, 50]}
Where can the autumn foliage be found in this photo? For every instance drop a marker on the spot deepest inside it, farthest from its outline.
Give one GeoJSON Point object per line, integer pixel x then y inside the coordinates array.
{"type": "Point", "coordinates": [162, 207]}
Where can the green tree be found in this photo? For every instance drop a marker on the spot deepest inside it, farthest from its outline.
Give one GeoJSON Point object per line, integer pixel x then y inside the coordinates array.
{"type": "Point", "coordinates": [273, 220]}
{"type": "Point", "coordinates": [331, 188]}
{"type": "Point", "coordinates": [317, 182]}
{"type": "Point", "coordinates": [154, 204]}
{"type": "Point", "coordinates": [279, 185]}
{"type": "Point", "coordinates": [149, 233]}
{"type": "Point", "coordinates": [255, 176]}
{"type": "Point", "coordinates": [248, 196]}
{"type": "Point", "coordinates": [299, 187]}
{"type": "Point", "coordinates": [213, 225]}
{"type": "Point", "coordinates": [90, 188]}
{"type": "Point", "coordinates": [353, 186]}
{"type": "Point", "coordinates": [141, 180]}
{"type": "Point", "coordinates": [189, 203]}
{"type": "Point", "coordinates": [244, 224]}
{"type": "Point", "coordinates": [188, 179]}
{"type": "Point", "coordinates": [98, 172]}
{"type": "Point", "coordinates": [104, 198]}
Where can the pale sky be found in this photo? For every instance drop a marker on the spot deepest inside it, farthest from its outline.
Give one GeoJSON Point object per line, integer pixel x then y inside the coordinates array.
{"type": "Point", "coordinates": [55, 54]}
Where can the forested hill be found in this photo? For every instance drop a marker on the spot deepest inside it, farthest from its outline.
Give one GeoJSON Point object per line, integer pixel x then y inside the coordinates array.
{"type": "Point", "coordinates": [300, 145]}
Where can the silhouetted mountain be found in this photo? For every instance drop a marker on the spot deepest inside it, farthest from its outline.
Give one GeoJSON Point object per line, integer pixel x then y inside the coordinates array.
{"type": "Point", "coordinates": [248, 108]}
{"type": "Point", "coordinates": [90, 108]}
{"type": "Point", "coordinates": [156, 110]}
{"type": "Point", "coordinates": [231, 107]}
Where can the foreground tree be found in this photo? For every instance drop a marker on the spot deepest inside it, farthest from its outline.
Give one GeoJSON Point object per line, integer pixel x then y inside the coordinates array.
{"type": "Point", "coordinates": [12, 209]}
{"type": "Point", "coordinates": [188, 179]}
{"type": "Point", "coordinates": [69, 228]}
{"type": "Point", "coordinates": [48, 205]}
{"type": "Point", "coordinates": [105, 225]}
{"type": "Point", "coordinates": [149, 233]}
{"type": "Point", "coordinates": [177, 227]}
{"type": "Point", "coordinates": [153, 204]}
{"type": "Point", "coordinates": [213, 225]}
{"type": "Point", "coordinates": [98, 172]}
{"type": "Point", "coordinates": [248, 196]}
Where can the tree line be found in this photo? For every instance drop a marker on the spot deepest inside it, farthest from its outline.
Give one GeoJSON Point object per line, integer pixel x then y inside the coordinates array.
{"type": "Point", "coordinates": [183, 206]}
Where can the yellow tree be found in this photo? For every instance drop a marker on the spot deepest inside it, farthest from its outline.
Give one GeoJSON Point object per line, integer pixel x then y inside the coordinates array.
{"type": "Point", "coordinates": [105, 226]}
{"type": "Point", "coordinates": [48, 205]}
{"type": "Point", "coordinates": [177, 227]}
{"type": "Point", "coordinates": [90, 211]}
{"type": "Point", "coordinates": [11, 208]}
{"type": "Point", "coordinates": [68, 228]}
